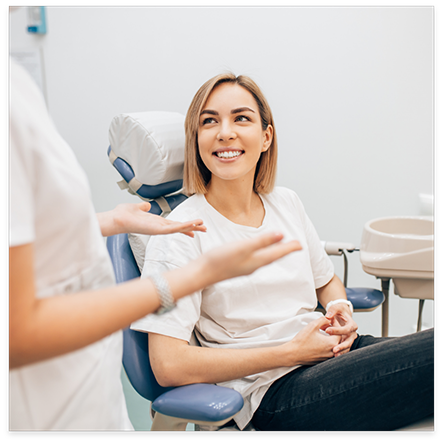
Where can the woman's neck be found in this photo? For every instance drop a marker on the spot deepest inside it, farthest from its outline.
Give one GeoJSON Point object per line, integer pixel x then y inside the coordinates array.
{"type": "Point", "coordinates": [236, 201]}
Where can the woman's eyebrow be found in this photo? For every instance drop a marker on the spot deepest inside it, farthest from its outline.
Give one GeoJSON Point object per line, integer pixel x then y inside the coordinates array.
{"type": "Point", "coordinates": [208, 111]}
{"type": "Point", "coordinates": [243, 109]}
{"type": "Point", "coordinates": [233, 111]}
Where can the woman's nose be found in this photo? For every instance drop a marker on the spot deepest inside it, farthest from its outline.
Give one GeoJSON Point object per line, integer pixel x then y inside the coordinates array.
{"type": "Point", "coordinates": [226, 132]}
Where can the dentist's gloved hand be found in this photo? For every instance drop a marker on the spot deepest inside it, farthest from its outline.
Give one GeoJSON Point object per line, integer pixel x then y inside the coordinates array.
{"type": "Point", "coordinates": [344, 325]}
{"type": "Point", "coordinates": [135, 218]}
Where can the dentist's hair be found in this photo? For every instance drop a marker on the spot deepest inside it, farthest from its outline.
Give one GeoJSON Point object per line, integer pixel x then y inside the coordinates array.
{"type": "Point", "coordinates": [196, 175]}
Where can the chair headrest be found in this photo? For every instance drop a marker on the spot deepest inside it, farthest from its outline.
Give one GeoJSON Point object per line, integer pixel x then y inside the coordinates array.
{"type": "Point", "coordinates": [147, 149]}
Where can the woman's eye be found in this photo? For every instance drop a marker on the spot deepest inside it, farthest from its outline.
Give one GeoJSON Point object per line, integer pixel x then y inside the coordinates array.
{"type": "Point", "coordinates": [208, 120]}
{"type": "Point", "coordinates": [242, 118]}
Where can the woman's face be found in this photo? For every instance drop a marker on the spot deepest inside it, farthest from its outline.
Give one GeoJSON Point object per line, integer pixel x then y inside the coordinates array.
{"type": "Point", "coordinates": [230, 134]}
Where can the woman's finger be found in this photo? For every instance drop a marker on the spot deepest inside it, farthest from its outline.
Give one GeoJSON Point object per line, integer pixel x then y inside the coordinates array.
{"type": "Point", "coordinates": [345, 345]}
{"type": "Point", "coordinates": [347, 329]}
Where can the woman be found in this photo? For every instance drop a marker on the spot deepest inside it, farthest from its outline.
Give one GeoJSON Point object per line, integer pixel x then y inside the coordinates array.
{"type": "Point", "coordinates": [64, 313]}
{"type": "Point", "coordinates": [260, 334]}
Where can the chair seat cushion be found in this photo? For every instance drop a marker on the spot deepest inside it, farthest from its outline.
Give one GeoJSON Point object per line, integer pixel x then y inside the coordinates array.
{"type": "Point", "coordinates": [362, 299]}
{"type": "Point", "coordinates": [365, 298]}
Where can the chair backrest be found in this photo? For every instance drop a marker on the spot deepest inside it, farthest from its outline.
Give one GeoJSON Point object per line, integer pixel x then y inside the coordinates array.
{"type": "Point", "coordinates": [147, 149]}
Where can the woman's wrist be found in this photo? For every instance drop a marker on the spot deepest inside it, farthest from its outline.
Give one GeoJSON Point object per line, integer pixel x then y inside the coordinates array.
{"type": "Point", "coordinates": [285, 354]}
{"type": "Point", "coordinates": [340, 301]}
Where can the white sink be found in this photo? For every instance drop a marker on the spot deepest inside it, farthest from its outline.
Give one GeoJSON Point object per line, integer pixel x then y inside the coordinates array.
{"type": "Point", "coordinates": [401, 248]}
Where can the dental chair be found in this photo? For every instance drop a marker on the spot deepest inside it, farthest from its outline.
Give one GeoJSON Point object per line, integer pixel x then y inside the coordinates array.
{"type": "Point", "coordinates": [147, 149]}
{"type": "Point", "coordinates": [172, 408]}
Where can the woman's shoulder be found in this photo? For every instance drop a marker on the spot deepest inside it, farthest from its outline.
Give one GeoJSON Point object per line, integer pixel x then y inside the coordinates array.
{"type": "Point", "coordinates": [189, 209]}
{"type": "Point", "coordinates": [283, 194]}
{"type": "Point", "coordinates": [172, 246]}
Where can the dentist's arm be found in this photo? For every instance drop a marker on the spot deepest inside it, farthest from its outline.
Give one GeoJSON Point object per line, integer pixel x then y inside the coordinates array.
{"type": "Point", "coordinates": [42, 328]}
{"type": "Point", "coordinates": [135, 218]}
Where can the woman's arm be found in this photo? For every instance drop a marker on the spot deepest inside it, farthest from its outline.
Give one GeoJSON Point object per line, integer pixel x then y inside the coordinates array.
{"type": "Point", "coordinates": [176, 363]}
{"type": "Point", "coordinates": [333, 290]}
{"type": "Point", "coordinates": [48, 327]}
{"type": "Point", "coordinates": [135, 218]}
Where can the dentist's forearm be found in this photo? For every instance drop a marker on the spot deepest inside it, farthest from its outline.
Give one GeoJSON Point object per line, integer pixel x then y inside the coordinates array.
{"type": "Point", "coordinates": [44, 328]}
{"type": "Point", "coordinates": [107, 223]}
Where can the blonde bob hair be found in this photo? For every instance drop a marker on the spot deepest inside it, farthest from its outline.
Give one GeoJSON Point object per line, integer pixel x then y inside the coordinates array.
{"type": "Point", "coordinates": [197, 176]}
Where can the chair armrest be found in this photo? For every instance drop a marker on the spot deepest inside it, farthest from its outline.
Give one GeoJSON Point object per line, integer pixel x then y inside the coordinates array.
{"type": "Point", "coordinates": [199, 402]}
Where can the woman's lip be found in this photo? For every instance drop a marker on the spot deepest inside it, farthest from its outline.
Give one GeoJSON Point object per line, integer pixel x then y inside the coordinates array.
{"type": "Point", "coordinates": [228, 158]}
{"type": "Point", "coordinates": [228, 150]}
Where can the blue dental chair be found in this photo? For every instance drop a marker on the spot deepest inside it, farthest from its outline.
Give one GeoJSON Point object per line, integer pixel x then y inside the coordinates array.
{"type": "Point", "coordinates": [154, 142]}
{"type": "Point", "coordinates": [202, 404]}
{"type": "Point", "coordinates": [172, 408]}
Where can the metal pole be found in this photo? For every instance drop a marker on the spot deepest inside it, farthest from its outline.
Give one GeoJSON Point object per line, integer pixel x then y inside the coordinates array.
{"type": "Point", "coordinates": [420, 312]}
{"type": "Point", "coordinates": [385, 307]}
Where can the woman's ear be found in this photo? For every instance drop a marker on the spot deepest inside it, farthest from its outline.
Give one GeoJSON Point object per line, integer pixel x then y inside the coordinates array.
{"type": "Point", "coordinates": [268, 135]}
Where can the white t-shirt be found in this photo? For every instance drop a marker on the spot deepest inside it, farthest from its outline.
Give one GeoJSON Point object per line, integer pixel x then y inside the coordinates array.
{"type": "Point", "coordinates": [266, 308]}
{"type": "Point", "coordinates": [50, 206]}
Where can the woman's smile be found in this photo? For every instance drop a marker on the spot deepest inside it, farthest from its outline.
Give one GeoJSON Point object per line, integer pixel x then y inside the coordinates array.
{"type": "Point", "coordinates": [228, 154]}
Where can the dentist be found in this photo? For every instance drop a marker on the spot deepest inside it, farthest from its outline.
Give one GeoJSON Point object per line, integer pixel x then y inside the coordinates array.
{"type": "Point", "coordinates": [65, 312]}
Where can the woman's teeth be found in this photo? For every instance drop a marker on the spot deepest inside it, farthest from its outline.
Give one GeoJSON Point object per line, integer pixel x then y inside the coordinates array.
{"type": "Point", "coordinates": [228, 154]}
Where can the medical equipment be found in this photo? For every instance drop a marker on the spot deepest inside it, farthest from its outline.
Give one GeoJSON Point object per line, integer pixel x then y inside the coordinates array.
{"type": "Point", "coordinates": [147, 149]}
{"type": "Point", "coordinates": [401, 249]}
{"type": "Point", "coordinates": [37, 19]}
{"type": "Point", "coordinates": [362, 299]}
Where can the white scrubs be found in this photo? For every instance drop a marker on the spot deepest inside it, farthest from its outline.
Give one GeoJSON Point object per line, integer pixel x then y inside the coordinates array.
{"type": "Point", "coordinates": [50, 206]}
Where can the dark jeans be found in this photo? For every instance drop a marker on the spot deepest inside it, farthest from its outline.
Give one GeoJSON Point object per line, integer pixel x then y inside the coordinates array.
{"type": "Point", "coordinates": [381, 384]}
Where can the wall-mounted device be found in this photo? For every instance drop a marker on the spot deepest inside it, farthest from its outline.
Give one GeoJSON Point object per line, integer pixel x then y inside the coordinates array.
{"type": "Point", "coordinates": [37, 19]}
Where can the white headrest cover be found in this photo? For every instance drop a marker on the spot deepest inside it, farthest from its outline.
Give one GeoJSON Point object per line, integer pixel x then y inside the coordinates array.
{"type": "Point", "coordinates": [152, 143]}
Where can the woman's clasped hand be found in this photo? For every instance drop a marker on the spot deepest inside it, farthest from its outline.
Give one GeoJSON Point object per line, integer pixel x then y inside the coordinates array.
{"type": "Point", "coordinates": [342, 325]}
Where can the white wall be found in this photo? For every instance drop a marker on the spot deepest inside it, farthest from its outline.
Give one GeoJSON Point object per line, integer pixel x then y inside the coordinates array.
{"type": "Point", "coordinates": [351, 90]}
